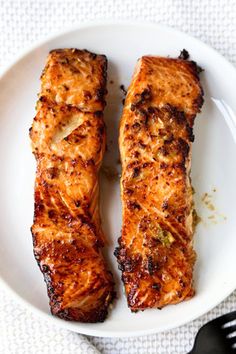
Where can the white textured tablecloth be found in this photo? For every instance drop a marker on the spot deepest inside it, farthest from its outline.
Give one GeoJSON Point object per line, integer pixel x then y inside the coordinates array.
{"type": "Point", "coordinates": [24, 22]}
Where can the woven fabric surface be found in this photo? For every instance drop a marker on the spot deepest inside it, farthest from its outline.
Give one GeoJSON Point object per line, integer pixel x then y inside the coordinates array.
{"type": "Point", "coordinates": [21, 24]}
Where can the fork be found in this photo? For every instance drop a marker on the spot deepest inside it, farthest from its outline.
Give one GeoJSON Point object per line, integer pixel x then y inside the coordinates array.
{"type": "Point", "coordinates": [216, 337]}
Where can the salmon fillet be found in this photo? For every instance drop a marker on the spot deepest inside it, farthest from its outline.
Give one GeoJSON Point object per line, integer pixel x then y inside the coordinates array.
{"type": "Point", "coordinates": [68, 141]}
{"type": "Point", "coordinates": [155, 250]}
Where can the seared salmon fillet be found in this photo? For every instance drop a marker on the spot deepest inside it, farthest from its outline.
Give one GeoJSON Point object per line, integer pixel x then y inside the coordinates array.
{"type": "Point", "coordinates": [68, 141]}
{"type": "Point", "coordinates": [155, 250]}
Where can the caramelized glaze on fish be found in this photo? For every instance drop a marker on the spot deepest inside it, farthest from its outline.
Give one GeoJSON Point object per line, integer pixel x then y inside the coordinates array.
{"type": "Point", "coordinates": [68, 141]}
{"type": "Point", "coordinates": [155, 250]}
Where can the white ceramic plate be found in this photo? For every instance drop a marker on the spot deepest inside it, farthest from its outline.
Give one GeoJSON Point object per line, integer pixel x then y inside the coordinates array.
{"type": "Point", "coordinates": [214, 166]}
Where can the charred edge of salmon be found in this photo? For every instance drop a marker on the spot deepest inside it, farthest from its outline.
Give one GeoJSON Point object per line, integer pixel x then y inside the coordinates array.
{"type": "Point", "coordinates": [73, 313]}
{"type": "Point", "coordinates": [196, 70]}
{"type": "Point", "coordinates": [77, 314]}
{"type": "Point", "coordinates": [78, 51]}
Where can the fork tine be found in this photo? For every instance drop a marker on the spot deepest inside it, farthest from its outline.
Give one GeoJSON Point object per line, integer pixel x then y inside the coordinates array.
{"type": "Point", "coordinates": [231, 341]}
{"type": "Point", "coordinates": [225, 318]}
{"type": "Point", "coordinates": [228, 330]}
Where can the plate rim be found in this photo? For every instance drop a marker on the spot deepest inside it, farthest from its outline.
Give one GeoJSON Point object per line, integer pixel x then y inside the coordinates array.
{"type": "Point", "coordinates": [4, 71]}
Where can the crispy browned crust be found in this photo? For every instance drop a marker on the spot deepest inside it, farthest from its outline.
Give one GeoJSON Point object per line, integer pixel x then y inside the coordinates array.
{"type": "Point", "coordinates": [68, 140]}
{"type": "Point", "coordinates": [155, 250]}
